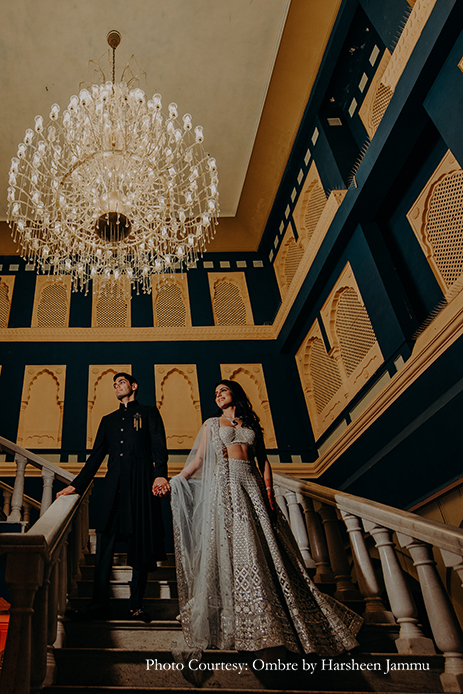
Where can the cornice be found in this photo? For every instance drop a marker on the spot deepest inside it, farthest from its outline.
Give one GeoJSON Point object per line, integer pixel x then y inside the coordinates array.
{"type": "Point", "coordinates": [180, 334]}
{"type": "Point", "coordinates": [9, 469]}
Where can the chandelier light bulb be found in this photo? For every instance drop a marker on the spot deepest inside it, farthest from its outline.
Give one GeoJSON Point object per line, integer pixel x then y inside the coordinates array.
{"type": "Point", "coordinates": [112, 188]}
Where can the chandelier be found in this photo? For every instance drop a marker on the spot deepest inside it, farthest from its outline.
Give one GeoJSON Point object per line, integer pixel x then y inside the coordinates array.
{"type": "Point", "coordinates": [112, 188]}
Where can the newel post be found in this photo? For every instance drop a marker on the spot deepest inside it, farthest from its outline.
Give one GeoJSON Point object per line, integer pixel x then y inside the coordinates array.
{"type": "Point", "coordinates": [24, 575]}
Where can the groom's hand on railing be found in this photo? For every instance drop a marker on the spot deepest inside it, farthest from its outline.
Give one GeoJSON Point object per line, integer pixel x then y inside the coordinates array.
{"type": "Point", "coordinates": [66, 491]}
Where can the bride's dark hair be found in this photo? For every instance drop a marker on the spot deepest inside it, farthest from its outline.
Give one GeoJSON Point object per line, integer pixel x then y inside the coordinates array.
{"type": "Point", "coordinates": [243, 407]}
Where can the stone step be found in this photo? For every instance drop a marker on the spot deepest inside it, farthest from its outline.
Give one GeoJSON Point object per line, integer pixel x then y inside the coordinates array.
{"type": "Point", "coordinates": [121, 589]}
{"type": "Point", "coordinates": [122, 634]}
{"type": "Point", "coordinates": [156, 669]}
{"type": "Point", "coordinates": [159, 609]}
{"type": "Point", "coordinates": [124, 573]}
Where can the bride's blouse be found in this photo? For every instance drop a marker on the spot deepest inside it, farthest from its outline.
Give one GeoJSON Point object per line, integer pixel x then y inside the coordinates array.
{"type": "Point", "coordinates": [241, 435]}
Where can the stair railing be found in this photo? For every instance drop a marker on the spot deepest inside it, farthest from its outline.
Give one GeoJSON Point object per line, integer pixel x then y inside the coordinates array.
{"type": "Point", "coordinates": [313, 512]}
{"type": "Point", "coordinates": [28, 503]}
{"type": "Point", "coordinates": [50, 472]}
{"type": "Point", "coordinates": [42, 568]}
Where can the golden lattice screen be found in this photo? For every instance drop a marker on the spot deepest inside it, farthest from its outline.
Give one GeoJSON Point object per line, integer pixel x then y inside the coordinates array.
{"type": "Point", "coordinates": [230, 298]}
{"type": "Point", "coordinates": [353, 329]}
{"type": "Point", "coordinates": [314, 207]}
{"type": "Point", "coordinates": [4, 305]}
{"type": "Point", "coordinates": [323, 372]}
{"type": "Point", "coordinates": [436, 217]}
{"type": "Point", "coordinates": [332, 371]}
{"type": "Point", "coordinates": [52, 309]}
{"type": "Point", "coordinates": [170, 309]}
{"type": "Point", "coordinates": [111, 306]}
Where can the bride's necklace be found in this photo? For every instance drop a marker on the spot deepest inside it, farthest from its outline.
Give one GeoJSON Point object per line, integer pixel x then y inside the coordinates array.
{"type": "Point", "coordinates": [233, 420]}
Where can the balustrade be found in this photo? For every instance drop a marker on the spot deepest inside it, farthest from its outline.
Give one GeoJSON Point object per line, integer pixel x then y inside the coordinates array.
{"type": "Point", "coordinates": [42, 565]}
{"type": "Point", "coordinates": [417, 536]}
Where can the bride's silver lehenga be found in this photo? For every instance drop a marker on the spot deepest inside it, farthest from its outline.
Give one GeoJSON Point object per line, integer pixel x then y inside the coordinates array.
{"type": "Point", "coordinates": [241, 579]}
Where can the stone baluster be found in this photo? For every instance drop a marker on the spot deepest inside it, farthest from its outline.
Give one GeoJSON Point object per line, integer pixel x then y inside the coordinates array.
{"type": "Point", "coordinates": [444, 623]}
{"type": "Point", "coordinates": [297, 524]}
{"type": "Point", "coordinates": [7, 501]}
{"type": "Point", "coordinates": [345, 589]}
{"type": "Point", "coordinates": [47, 493]}
{"type": "Point", "coordinates": [375, 610]}
{"type": "Point", "coordinates": [281, 501]}
{"type": "Point", "coordinates": [18, 491]}
{"type": "Point", "coordinates": [302, 505]}
{"type": "Point", "coordinates": [24, 575]}
{"type": "Point", "coordinates": [317, 541]}
{"type": "Point", "coordinates": [411, 639]}
{"type": "Point", "coordinates": [26, 514]}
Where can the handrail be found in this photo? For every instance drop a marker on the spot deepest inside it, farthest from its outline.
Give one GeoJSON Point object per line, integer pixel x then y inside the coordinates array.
{"type": "Point", "coordinates": [52, 551]}
{"type": "Point", "coordinates": [27, 499]}
{"type": "Point", "coordinates": [444, 536]}
{"type": "Point", "coordinates": [35, 460]}
{"type": "Point", "coordinates": [323, 549]}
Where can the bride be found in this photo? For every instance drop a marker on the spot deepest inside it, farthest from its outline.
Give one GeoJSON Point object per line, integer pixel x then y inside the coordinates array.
{"type": "Point", "coordinates": [241, 579]}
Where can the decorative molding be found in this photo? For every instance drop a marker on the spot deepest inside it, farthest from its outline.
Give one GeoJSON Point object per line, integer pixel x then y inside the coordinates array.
{"type": "Point", "coordinates": [174, 467]}
{"type": "Point", "coordinates": [177, 383]}
{"type": "Point", "coordinates": [189, 334]}
{"type": "Point", "coordinates": [47, 305]}
{"type": "Point", "coordinates": [101, 398]}
{"type": "Point", "coordinates": [392, 66]}
{"type": "Point", "coordinates": [251, 378]}
{"type": "Point", "coordinates": [42, 402]}
{"type": "Point", "coordinates": [230, 305]}
{"type": "Point", "coordinates": [411, 32]}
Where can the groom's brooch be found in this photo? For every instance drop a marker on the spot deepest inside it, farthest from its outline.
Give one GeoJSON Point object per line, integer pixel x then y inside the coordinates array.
{"type": "Point", "coordinates": [137, 421]}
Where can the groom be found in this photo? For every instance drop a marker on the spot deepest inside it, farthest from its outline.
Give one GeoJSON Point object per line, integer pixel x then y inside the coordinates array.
{"type": "Point", "coordinates": [134, 438]}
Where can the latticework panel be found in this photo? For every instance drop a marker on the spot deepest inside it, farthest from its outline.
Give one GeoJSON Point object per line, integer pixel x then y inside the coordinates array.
{"type": "Point", "coordinates": [52, 309]}
{"type": "Point", "coordinates": [382, 98]}
{"type": "Point", "coordinates": [170, 309]}
{"type": "Point", "coordinates": [229, 307]}
{"type": "Point", "coordinates": [293, 258]}
{"type": "Point", "coordinates": [444, 226]}
{"type": "Point", "coordinates": [315, 206]}
{"type": "Point", "coordinates": [323, 373]}
{"type": "Point", "coordinates": [112, 307]}
{"type": "Point", "coordinates": [353, 329]}
{"type": "Point", "coordinates": [4, 305]}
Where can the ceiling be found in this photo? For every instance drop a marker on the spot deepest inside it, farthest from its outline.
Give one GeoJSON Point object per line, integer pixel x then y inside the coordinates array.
{"type": "Point", "coordinates": [242, 68]}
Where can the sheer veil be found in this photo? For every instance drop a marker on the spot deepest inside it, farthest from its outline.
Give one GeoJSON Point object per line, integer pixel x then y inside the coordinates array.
{"type": "Point", "coordinates": [203, 577]}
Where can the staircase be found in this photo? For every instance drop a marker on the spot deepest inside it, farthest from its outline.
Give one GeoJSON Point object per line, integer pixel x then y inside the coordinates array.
{"type": "Point", "coordinates": [124, 656]}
